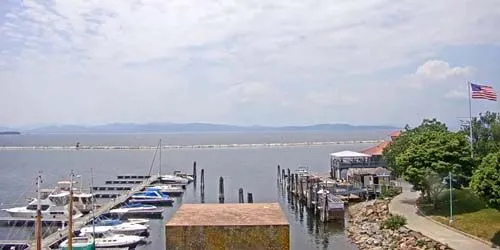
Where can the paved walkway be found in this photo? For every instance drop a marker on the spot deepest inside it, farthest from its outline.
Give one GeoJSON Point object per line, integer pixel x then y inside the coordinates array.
{"type": "Point", "coordinates": [404, 204]}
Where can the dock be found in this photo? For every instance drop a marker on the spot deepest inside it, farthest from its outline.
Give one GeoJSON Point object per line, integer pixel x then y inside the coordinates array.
{"type": "Point", "coordinates": [58, 237]}
{"type": "Point", "coordinates": [133, 182]}
{"type": "Point", "coordinates": [132, 176]}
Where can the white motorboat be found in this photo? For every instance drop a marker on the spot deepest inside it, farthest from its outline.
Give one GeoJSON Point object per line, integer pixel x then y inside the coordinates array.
{"type": "Point", "coordinates": [49, 209]}
{"type": "Point", "coordinates": [168, 179]}
{"type": "Point", "coordinates": [79, 243]}
{"type": "Point", "coordinates": [136, 209]}
{"type": "Point", "coordinates": [189, 177]}
{"type": "Point", "coordinates": [117, 227]}
{"type": "Point", "coordinates": [167, 189]}
{"type": "Point", "coordinates": [109, 240]}
{"type": "Point", "coordinates": [151, 197]}
{"type": "Point", "coordinates": [81, 200]}
{"type": "Point", "coordinates": [138, 221]}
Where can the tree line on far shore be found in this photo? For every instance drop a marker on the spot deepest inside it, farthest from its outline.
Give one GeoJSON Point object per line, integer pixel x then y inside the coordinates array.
{"type": "Point", "coordinates": [425, 155]}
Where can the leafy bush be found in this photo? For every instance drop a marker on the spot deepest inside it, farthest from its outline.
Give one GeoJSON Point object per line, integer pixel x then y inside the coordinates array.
{"type": "Point", "coordinates": [389, 192]}
{"type": "Point", "coordinates": [394, 222]}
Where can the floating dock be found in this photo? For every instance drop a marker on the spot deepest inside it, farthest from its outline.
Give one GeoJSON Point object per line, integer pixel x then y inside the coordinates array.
{"type": "Point", "coordinates": [133, 182]}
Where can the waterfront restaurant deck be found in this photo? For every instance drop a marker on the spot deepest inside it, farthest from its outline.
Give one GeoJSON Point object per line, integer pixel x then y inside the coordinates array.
{"type": "Point", "coordinates": [341, 162]}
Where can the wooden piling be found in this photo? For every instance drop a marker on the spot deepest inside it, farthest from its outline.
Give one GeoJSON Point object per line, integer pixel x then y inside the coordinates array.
{"type": "Point", "coordinates": [301, 197]}
{"type": "Point", "coordinates": [288, 179]}
{"type": "Point", "coordinates": [240, 196]}
{"type": "Point", "coordinates": [326, 207]}
{"type": "Point", "coordinates": [202, 185]}
{"type": "Point", "coordinates": [221, 190]}
{"type": "Point", "coordinates": [278, 177]}
{"type": "Point", "coordinates": [194, 172]}
{"type": "Point", "coordinates": [249, 198]}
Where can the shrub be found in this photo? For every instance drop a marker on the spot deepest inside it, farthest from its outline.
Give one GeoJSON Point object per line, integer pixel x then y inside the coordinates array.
{"type": "Point", "coordinates": [388, 192]}
{"type": "Point", "coordinates": [394, 222]}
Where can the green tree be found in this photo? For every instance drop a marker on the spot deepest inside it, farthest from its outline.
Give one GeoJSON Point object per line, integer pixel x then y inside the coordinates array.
{"type": "Point", "coordinates": [401, 143]}
{"type": "Point", "coordinates": [430, 155]}
{"type": "Point", "coordinates": [485, 134]}
{"type": "Point", "coordinates": [486, 180]}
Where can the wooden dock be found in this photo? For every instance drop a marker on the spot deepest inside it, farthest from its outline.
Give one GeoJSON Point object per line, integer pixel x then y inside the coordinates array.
{"type": "Point", "coordinates": [58, 237]}
{"type": "Point", "coordinates": [133, 176]}
{"type": "Point", "coordinates": [133, 182]}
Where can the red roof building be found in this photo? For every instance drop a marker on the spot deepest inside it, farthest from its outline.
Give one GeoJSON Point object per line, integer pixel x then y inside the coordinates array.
{"type": "Point", "coordinates": [376, 150]}
{"type": "Point", "coordinates": [395, 134]}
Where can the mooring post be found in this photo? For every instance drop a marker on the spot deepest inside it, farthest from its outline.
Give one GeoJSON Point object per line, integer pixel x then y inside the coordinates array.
{"type": "Point", "coordinates": [295, 179]}
{"type": "Point", "coordinates": [249, 198]}
{"type": "Point", "coordinates": [316, 198]}
{"type": "Point", "coordinates": [278, 177]}
{"type": "Point", "coordinates": [288, 178]}
{"type": "Point", "coordinates": [326, 207]}
{"type": "Point", "coordinates": [221, 190]}
{"type": "Point", "coordinates": [202, 185]}
{"type": "Point", "coordinates": [301, 188]}
{"type": "Point", "coordinates": [194, 172]}
{"type": "Point", "coordinates": [309, 196]}
{"type": "Point", "coordinates": [240, 196]}
{"type": "Point", "coordinates": [292, 186]}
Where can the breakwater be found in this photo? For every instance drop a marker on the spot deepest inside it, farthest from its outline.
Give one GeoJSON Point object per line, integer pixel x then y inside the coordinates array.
{"type": "Point", "coordinates": [199, 146]}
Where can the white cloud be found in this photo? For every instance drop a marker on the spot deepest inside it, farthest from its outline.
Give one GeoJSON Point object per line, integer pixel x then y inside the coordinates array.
{"type": "Point", "coordinates": [101, 61]}
{"type": "Point", "coordinates": [439, 70]}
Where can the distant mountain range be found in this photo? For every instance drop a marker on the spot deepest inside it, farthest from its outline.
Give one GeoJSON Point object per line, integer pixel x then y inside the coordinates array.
{"type": "Point", "coordinates": [189, 127]}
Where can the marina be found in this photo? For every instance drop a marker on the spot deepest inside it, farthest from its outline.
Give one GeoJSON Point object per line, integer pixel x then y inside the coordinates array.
{"type": "Point", "coordinates": [116, 207]}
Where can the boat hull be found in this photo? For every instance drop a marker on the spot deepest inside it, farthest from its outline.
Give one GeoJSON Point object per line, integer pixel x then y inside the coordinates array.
{"type": "Point", "coordinates": [163, 202]}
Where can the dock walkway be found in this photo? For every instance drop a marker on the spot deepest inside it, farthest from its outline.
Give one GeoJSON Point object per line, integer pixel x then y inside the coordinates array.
{"type": "Point", "coordinates": [404, 204]}
{"type": "Point", "coordinates": [56, 237]}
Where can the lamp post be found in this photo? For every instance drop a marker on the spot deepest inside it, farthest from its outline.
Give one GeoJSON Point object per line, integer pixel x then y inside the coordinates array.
{"type": "Point", "coordinates": [451, 197]}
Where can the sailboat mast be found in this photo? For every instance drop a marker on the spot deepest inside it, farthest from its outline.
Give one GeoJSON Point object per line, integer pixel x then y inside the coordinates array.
{"type": "Point", "coordinates": [93, 207]}
{"type": "Point", "coordinates": [70, 214]}
{"type": "Point", "coordinates": [38, 227]}
{"type": "Point", "coordinates": [159, 170]}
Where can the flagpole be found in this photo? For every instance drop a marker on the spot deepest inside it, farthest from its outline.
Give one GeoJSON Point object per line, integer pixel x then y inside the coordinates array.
{"type": "Point", "coordinates": [470, 122]}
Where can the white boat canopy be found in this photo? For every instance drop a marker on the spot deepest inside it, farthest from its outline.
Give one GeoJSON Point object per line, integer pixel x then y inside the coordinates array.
{"type": "Point", "coordinates": [349, 154]}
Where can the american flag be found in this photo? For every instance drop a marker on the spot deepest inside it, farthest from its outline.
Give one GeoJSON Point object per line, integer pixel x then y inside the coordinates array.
{"type": "Point", "coordinates": [483, 92]}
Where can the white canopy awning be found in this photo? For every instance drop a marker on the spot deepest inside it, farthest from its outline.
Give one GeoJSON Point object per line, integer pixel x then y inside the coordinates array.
{"type": "Point", "coordinates": [348, 154]}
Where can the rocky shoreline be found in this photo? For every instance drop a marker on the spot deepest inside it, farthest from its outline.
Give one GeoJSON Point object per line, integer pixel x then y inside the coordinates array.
{"type": "Point", "coordinates": [364, 229]}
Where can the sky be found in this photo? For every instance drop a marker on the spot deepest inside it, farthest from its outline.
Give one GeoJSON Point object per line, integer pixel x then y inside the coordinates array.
{"type": "Point", "coordinates": [245, 62]}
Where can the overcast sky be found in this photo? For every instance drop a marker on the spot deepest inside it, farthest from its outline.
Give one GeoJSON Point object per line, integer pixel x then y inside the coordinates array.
{"type": "Point", "coordinates": [245, 62]}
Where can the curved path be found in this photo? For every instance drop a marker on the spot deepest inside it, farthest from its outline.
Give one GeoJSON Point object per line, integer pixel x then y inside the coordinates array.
{"type": "Point", "coordinates": [404, 204]}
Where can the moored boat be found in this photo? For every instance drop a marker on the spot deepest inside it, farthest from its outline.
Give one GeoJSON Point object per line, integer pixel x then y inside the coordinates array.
{"type": "Point", "coordinates": [116, 226]}
{"type": "Point", "coordinates": [136, 210]}
{"type": "Point", "coordinates": [167, 189]}
{"type": "Point", "coordinates": [172, 179]}
{"type": "Point", "coordinates": [49, 210]}
{"type": "Point", "coordinates": [151, 197]}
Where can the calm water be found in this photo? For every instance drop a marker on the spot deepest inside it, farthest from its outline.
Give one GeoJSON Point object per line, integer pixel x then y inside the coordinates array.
{"type": "Point", "coordinates": [253, 169]}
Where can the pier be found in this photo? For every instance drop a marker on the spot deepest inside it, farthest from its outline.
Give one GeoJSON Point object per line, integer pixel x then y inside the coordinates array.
{"type": "Point", "coordinates": [55, 238]}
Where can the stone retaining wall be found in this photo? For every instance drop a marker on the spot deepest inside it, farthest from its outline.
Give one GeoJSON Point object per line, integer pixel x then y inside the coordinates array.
{"type": "Point", "coordinates": [365, 231]}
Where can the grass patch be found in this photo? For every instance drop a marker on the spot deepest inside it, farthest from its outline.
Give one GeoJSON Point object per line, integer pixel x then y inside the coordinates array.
{"type": "Point", "coordinates": [394, 222]}
{"type": "Point", "coordinates": [470, 214]}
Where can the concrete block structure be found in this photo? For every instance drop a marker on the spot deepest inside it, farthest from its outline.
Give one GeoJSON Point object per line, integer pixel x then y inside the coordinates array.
{"type": "Point", "coordinates": [228, 226]}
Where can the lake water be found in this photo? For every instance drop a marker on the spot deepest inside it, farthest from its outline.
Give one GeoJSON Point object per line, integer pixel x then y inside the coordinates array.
{"type": "Point", "coordinates": [253, 169]}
